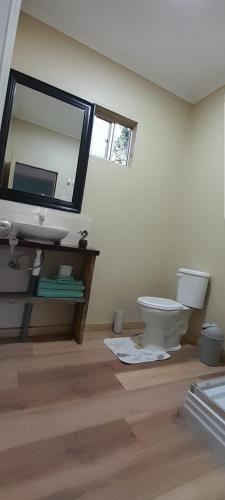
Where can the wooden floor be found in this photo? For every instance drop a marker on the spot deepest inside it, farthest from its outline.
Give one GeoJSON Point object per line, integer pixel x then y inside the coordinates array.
{"type": "Point", "coordinates": [75, 423]}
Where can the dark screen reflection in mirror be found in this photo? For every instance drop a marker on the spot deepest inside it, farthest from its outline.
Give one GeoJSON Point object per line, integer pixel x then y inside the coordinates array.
{"type": "Point", "coordinates": [43, 145]}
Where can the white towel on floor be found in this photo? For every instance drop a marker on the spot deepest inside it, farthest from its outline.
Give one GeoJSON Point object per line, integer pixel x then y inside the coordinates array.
{"type": "Point", "coordinates": [128, 351]}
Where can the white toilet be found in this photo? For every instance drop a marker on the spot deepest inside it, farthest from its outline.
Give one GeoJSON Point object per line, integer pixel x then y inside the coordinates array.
{"type": "Point", "coordinates": [167, 320]}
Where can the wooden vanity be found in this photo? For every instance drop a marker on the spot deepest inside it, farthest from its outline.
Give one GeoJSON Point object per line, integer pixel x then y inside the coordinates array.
{"type": "Point", "coordinates": [84, 262]}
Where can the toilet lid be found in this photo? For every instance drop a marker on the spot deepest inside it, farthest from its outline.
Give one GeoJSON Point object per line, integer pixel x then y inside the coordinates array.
{"type": "Point", "coordinates": [159, 303]}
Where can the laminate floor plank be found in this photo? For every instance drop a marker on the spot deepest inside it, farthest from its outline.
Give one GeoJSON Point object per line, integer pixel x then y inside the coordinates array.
{"type": "Point", "coordinates": [16, 350]}
{"type": "Point", "coordinates": [78, 448]}
{"type": "Point", "coordinates": [151, 475]}
{"type": "Point", "coordinates": [8, 381]}
{"type": "Point", "coordinates": [210, 486]}
{"type": "Point", "coordinates": [48, 362]}
{"type": "Point", "coordinates": [58, 386]}
{"type": "Point", "coordinates": [179, 371]}
{"type": "Point", "coordinates": [161, 427]}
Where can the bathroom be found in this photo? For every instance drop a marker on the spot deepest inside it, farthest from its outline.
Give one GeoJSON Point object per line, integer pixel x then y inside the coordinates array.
{"type": "Point", "coordinates": [164, 211]}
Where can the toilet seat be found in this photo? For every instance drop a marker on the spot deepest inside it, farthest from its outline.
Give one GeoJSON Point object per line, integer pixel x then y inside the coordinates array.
{"type": "Point", "coordinates": [161, 303]}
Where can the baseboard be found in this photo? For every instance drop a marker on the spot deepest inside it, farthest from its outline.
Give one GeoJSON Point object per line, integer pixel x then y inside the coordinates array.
{"type": "Point", "coordinates": [189, 338]}
{"type": "Point", "coordinates": [35, 331]}
{"type": "Point", "coordinates": [48, 331]}
{"type": "Point", "coordinates": [9, 333]}
{"type": "Point", "coordinates": [100, 327]}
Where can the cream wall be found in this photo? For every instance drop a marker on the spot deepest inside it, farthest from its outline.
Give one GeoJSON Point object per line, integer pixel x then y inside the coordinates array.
{"type": "Point", "coordinates": [135, 210]}
{"type": "Point", "coordinates": [202, 224]}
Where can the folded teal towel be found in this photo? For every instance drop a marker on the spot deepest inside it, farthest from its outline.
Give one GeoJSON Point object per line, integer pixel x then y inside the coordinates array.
{"type": "Point", "coordinates": [58, 279]}
{"type": "Point", "coordinates": [65, 279]}
{"type": "Point", "coordinates": [60, 286]}
{"type": "Point", "coordinates": [59, 293]}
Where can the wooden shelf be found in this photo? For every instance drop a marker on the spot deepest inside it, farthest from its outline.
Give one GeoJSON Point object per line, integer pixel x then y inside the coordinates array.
{"type": "Point", "coordinates": [52, 246]}
{"type": "Point", "coordinates": [25, 298]}
{"type": "Point", "coordinates": [80, 304]}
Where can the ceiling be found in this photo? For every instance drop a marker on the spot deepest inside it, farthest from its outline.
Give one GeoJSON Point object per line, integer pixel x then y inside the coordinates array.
{"type": "Point", "coordinates": [48, 112]}
{"type": "Point", "coordinates": [177, 44]}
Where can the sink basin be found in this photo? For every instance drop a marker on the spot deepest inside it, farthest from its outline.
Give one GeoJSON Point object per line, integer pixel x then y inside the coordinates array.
{"type": "Point", "coordinates": [44, 234]}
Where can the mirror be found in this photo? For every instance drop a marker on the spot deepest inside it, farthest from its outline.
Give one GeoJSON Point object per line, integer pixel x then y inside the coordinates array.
{"type": "Point", "coordinates": [43, 145]}
{"type": "Point", "coordinates": [45, 140]}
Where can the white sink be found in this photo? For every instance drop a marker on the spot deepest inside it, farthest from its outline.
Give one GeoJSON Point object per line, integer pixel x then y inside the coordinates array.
{"type": "Point", "coordinates": [34, 232]}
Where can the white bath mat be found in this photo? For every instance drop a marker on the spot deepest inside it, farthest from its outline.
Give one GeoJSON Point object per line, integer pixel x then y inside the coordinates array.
{"type": "Point", "coordinates": [128, 350]}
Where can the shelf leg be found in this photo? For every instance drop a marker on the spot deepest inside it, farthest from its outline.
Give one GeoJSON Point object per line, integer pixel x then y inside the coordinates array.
{"type": "Point", "coordinates": [81, 309]}
{"type": "Point", "coordinates": [26, 321]}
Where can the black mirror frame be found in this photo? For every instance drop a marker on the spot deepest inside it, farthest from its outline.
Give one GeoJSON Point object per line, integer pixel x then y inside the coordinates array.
{"type": "Point", "coordinates": [82, 164]}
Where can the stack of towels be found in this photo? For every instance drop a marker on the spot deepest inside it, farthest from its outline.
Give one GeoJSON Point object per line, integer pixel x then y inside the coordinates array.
{"type": "Point", "coordinates": [60, 286]}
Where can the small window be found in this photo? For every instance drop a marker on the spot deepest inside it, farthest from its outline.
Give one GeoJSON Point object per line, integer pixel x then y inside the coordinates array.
{"type": "Point", "coordinates": [112, 136]}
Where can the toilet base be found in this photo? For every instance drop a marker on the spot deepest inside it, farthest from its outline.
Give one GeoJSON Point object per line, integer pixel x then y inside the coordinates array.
{"type": "Point", "coordinates": [156, 346]}
{"type": "Point", "coordinates": [164, 329]}
{"type": "Point", "coordinates": [174, 349]}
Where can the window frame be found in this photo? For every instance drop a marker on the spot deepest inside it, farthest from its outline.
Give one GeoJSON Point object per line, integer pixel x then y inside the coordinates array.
{"type": "Point", "coordinates": [114, 119]}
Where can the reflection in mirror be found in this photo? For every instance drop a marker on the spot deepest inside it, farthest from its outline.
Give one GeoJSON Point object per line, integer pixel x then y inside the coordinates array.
{"type": "Point", "coordinates": [43, 145]}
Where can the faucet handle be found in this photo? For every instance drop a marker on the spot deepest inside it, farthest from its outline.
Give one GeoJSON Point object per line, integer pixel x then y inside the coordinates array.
{"type": "Point", "coordinates": [41, 219]}
{"type": "Point", "coordinates": [40, 214]}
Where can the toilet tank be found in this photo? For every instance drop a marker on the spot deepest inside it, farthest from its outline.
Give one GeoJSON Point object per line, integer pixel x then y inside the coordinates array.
{"type": "Point", "coordinates": [191, 287]}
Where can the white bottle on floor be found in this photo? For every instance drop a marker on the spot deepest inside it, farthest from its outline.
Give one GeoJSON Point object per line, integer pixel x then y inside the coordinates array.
{"type": "Point", "coordinates": [118, 321]}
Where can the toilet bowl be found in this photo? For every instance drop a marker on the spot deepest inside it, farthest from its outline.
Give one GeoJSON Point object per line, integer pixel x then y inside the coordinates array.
{"type": "Point", "coordinates": [166, 320]}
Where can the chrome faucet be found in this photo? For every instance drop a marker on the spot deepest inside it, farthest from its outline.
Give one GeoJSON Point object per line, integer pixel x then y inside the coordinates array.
{"type": "Point", "coordinates": [41, 219]}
